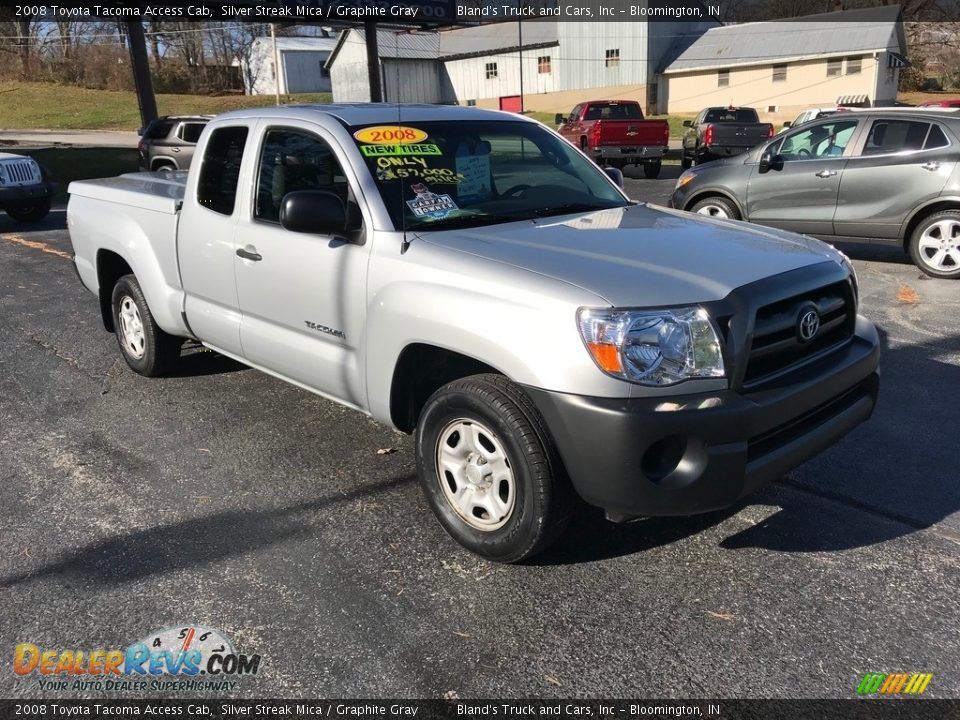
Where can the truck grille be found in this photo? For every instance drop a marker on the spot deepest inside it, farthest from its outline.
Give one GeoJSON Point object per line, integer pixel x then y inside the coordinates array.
{"type": "Point", "coordinates": [777, 346]}
{"type": "Point", "coordinates": [19, 172]}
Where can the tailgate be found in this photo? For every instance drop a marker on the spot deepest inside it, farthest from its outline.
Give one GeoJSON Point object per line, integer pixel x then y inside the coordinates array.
{"type": "Point", "coordinates": [633, 132]}
{"type": "Point", "coordinates": [737, 135]}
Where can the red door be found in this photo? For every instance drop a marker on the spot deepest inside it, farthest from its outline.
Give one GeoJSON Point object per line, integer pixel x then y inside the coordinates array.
{"type": "Point", "coordinates": [511, 103]}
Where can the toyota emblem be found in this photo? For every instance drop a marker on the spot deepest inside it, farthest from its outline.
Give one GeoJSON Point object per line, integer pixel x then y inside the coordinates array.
{"type": "Point", "coordinates": [808, 325]}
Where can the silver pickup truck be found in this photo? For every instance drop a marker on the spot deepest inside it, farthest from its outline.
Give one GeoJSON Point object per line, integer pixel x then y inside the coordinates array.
{"type": "Point", "coordinates": [471, 277]}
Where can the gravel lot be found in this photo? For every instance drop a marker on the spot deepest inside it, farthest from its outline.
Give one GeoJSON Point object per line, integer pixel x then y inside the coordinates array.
{"type": "Point", "coordinates": [227, 498]}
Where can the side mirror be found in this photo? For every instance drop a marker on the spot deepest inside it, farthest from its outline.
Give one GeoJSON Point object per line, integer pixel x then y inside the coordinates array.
{"type": "Point", "coordinates": [313, 211]}
{"type": "Point", "coordinates": [140, 131]}
{"type": "Point", "coordinates": [615, 175]}
{"type": "Point", "coordinates": [559, 119]}
{"type": "Point", "coordinates": [769, 162]}
{"type": "Point", "coordinates": [787, 124]}
{"type": "Point", "coordinates": [688, 123]}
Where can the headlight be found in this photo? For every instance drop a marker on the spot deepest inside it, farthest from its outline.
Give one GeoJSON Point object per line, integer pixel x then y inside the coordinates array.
{"type": "Point", "coordinates": [684, 178]}
{"type": "Point", "coordinates": [652, 347]}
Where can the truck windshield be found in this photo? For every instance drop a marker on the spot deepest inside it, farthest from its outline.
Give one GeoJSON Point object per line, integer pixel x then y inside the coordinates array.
{"type": "Point", "coordinates": [439, 175]}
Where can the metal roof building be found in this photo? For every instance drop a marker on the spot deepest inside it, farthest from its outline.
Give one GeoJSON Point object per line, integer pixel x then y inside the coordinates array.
{"type": "Point", "coordinates": [302, 65]}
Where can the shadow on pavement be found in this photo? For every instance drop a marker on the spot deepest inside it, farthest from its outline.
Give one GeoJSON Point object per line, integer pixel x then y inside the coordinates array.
{"type": "Point", "coordinates": [196, 361]}
{"type": "Point", "coordinates": [137, 554]}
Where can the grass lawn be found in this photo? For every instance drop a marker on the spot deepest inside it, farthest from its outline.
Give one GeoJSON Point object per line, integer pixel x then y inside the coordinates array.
{"type": "Point", "coordinates": [44, 105]}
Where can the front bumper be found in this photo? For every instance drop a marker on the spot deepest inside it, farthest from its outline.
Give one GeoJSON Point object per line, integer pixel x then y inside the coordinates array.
{"type": "Point", "coordinates": [690, 454]}
{"type": "Point", "coordinates": [19, 193]}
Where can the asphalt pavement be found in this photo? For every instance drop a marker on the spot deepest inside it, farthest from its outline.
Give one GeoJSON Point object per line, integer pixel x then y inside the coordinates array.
{"type": "Point", "coordinates": [225, 498]}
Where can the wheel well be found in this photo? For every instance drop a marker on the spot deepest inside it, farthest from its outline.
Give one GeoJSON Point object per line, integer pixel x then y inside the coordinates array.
{"type": "Point", "coordinates": [709, 194]}
{"type": "Point", "coordinates": [421, 370]}
{"type": "Point", "coordinates": [923, 215]}
{"type": "Point", "coordinates": [110, 268]}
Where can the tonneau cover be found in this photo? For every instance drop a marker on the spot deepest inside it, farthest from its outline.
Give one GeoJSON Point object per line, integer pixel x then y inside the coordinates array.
{"type": "Point", "coordinates": [157, 191]}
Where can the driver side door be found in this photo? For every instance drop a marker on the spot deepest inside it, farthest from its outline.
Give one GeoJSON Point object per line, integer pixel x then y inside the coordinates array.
{"type": "Point", "coordinates": [799, 192]}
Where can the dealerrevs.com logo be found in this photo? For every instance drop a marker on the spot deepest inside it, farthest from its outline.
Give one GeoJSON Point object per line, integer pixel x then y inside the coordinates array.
{"type": "Point", "coordinates": [894, 683]}
{"type": "Point", "coordinates": [187, 657]}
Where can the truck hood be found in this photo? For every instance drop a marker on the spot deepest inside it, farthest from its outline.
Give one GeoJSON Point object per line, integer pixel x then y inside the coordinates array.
{"type": "Point", "coordinates": [640, 255]}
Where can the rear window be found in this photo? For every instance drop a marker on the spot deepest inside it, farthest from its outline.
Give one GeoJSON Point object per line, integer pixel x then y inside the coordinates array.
{"type": "Point", "coordinates": [613, 111]}
{"type": "Point", "coordinates": [740, 115]}
{"type": "Point", "coordinates": [158, 129]}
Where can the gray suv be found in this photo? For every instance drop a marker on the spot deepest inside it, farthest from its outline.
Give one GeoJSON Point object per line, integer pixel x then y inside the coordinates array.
{"type": "Point", "coordinates": [882, 176]}
{"type": "Point", "coordinates": [168, 142]}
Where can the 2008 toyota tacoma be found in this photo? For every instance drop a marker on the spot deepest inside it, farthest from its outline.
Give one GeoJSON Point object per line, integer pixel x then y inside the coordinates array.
{"type": "Point", "coordinates": [471, 277]}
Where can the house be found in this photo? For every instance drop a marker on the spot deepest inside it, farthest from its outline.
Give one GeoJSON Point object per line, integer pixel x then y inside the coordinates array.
{"type": "Point", "coordinates": [782, 67]}
{"type": "Point", "coordinates": [553, 64]}
{"type": "Point", "coordinates": [302, 65]}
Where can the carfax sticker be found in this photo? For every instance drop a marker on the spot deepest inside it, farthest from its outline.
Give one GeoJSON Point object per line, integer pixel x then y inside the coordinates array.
{"type": "Point", "coordinates": [428, 204]}
{"type": "Point", "coordinates": [389, 135]}
{"type": "Point", "coordinates": [413, 149]}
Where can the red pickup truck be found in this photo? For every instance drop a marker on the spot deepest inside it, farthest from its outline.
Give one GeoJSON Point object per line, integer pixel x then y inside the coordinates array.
{"type": "Point", "coordinates": [613, 132]}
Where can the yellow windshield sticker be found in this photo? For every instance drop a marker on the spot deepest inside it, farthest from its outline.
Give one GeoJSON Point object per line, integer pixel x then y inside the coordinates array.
{"type": "Point", "coordinates": [389, 135]}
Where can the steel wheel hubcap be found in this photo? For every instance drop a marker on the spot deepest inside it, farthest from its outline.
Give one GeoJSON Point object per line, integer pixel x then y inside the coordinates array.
{"type": "Point", "coordinates": [713, 211]}
{"type": "Point", "coordinates": [131, 328]}
{"type": "Point", "coordinates": [940, 246]}
{"type": "Point", "coordinates": [475, 475]}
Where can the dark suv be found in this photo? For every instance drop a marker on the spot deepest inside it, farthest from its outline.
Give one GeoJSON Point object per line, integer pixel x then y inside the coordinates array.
{"type": "Point", "coordinates": [881, 175]}
{"type": "Point", "coordinates": [168, 142]}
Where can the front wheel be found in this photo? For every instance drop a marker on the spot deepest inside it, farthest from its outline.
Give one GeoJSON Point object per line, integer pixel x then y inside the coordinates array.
{"type": "Point", "coordinates": [148, 350]}
{"type": "Point", "coordinates": [935, 245]}
{"type": "Point", "coordinates": [29, 210]}
{"type": "Point", "coordinates": [651, 170]}
{"type": "Point", "coordinates": [717, 207]}
{"type": "Point", "coordinates": [489, 469]}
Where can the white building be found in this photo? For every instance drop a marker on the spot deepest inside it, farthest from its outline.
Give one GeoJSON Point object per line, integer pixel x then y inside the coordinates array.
{"type": "Point", "coordinates": [554, 64]}
{"type": "Point", "coordinates": [302, 65]}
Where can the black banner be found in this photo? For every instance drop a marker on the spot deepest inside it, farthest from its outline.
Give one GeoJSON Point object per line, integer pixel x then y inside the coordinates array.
{"type": "Point", "coordinates": [865, 709]}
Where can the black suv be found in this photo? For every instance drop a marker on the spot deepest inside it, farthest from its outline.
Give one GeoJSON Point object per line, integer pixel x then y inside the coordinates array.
{"type": "Point", "coordinates": [168, 142]}
{"type": "Point", "coordinates": [882, 175]}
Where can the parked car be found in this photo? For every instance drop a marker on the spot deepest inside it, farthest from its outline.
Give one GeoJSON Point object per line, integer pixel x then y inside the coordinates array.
{"type": "Point", "coordinates": [883, 176]}
{"type": "Point", "coordinates": [614, 133]}
{"type": "Point", "coordinates": [946, 103]}
{"type": "Point", "coordinates": [721, 132]}
{"type": "Point", "coordinates": [811, 114]}
{"type": "Point", "coordinates": [24, 192]}
{"type": "Point", "coordinates": [472, 278]}
{"type": "Point", "coordinates": [168, 142]}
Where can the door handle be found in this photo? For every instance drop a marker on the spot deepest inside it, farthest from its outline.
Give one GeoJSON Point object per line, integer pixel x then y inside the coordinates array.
{"type": "Point", "coordinates": [826, 173]}
{"type": "Point", "coordinates": [176, 149]}
{"type": "Point", "coordinates": [932, 165]}
{"type": "Point", "coordinates": [249, 255]}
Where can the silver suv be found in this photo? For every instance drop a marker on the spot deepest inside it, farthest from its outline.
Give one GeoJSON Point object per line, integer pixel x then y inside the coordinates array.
{"type": "Point", "coordinates": [168, 142]}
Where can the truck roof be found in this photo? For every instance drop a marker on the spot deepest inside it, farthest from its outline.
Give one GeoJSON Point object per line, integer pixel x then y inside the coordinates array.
{"type": "Point", "coordinates": [365, 113]}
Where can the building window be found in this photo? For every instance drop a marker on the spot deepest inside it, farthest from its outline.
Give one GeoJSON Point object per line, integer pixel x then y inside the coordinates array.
{"type": "Point", "coordinates": [854, 65]}
{"type": "Point", "coordinates": [471, 103]}
{"type": "Point", "coordinates": [834, 67]}
{"type": "Point", "coordinates": [612, 58]}
{"type": "Point", "coordinates": [723, 78]}
{"type": "Point", "coordinates": [543, 65]}
{"type": "Point", "coordinates": [491, 71]}
{"type": "Point", "coordinates": [779, 73]}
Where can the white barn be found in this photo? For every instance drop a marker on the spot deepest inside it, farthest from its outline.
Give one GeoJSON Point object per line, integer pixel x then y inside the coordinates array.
{"type": "Point", "coordinates": [302, 65]}
{"type": "Point", "coordinates": [563, 63]}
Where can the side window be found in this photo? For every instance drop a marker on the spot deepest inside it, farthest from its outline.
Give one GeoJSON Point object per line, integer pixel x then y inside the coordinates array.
{"type": "Point", "coordinates": [819, 141]}
{"type": "Point", "coordinates": [935, 138]}
{"type": "Point", "coordinates": [893, 136]}
{"type": "Point", "coordinates": [575, 114]}
{"type": "Point", "coordinates": [220, 170]}
{"type": "Point", "coordinates": [190, 132]}
{"type": "Point", "coordinates": [294, 160]}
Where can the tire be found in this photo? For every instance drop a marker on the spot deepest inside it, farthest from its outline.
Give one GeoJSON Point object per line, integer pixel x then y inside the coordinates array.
{"type": "Point", "coordinates": [717, 207]}
{"type": "Point", "coordinates": [685, 162]}
{"type": "Point", "coordinates": [651, 171]}
{"type": "Point", "coordinates": [164, 167]}
{"type": "Point", "coordinates": [148, 350]}
{"type": "Point", "coordinates": [29, 211]}
{"type": "Point", "coordinates": [525, 503]}
{"type": "Point", "coordinates": [935, 245]}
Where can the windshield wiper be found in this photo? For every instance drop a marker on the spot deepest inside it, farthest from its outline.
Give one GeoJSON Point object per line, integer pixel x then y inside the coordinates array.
{"type": "Point", "coordinates": [462, 221]}
{"type": "Point", "coordinates": [569, 208]}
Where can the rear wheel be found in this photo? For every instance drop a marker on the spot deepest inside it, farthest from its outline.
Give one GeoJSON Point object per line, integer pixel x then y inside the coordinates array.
{"type": "Point", "coordinates": [685, 161]}
{"type": "Point", "coordinates": [651, 170]}
{"type": "Point", "coordinates": [489, 469]}
{"type": "Point", "coordinates": [148, 350]}
{"type": "Point", "coordinates": [935, 245]}
{"type": "Point", "coordinates": [29, 210]}
{"type": "Point", "coordinates": [717, 207]}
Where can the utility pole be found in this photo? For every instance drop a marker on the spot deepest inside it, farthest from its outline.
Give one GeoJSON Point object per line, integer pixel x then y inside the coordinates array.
{"type": "Point", "coordinates": [276, 61]}
{"type": "Point", "coordinates": [520, 40]}
{"type": "Point", "coordinates": [373, 60]}
{"type": "Point", "coordinates": [141, 72]}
